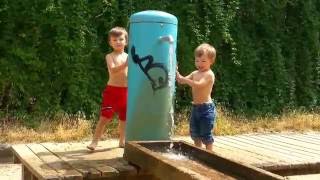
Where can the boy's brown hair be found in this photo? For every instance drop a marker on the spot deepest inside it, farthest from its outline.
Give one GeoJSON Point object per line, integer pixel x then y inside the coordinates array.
{"type": "Point", "coordinates": [118, 31]}
{"type": "Point", "coordinates": [206, 49]}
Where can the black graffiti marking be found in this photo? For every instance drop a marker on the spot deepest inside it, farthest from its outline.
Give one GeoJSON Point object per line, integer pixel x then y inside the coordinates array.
{"type": "Point", "coordinates": [156, 84]}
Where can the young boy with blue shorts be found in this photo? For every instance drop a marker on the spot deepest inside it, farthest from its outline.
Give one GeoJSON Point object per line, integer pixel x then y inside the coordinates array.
{"type": "Point", "coordinates": [203, 109]}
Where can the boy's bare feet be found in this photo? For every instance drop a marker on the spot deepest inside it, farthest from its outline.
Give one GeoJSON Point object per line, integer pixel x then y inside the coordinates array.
{"type": "Point", "coordinates": [121, 145]}
{"type": "Point", "coordinates": [92, 146]}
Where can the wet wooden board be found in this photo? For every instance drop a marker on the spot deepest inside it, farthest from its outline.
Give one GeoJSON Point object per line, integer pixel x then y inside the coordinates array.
{"type": "Point", "coordinates": [181, 160]}
{"type": "Point", "coordinates": [72, 161]}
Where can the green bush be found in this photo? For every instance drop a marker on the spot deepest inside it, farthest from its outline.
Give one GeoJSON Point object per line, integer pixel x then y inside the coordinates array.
{"type": "Point", "coordinates": [52, 52]}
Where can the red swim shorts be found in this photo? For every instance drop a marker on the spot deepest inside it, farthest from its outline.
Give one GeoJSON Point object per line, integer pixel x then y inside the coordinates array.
{"type": "Point", "coordinates": [114, 100]}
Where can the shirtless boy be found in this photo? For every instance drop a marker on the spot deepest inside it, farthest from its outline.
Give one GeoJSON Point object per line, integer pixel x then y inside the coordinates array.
{"type": "Point", "coordinates": [114, 97]}
{"type": "Point", "coordinates": [203, 109]}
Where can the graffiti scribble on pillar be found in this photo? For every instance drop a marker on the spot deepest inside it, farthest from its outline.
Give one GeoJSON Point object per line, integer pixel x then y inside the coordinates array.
{"type": "Point", "coordinates": [156, 82]}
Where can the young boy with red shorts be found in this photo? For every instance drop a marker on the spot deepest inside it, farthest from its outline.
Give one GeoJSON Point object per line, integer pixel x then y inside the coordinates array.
{"type": "Point", "coordinates": [114, 97]}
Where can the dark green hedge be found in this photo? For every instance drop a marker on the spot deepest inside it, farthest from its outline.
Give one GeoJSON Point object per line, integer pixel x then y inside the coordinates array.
{"type": "Point", "coordinates": [52, 52]}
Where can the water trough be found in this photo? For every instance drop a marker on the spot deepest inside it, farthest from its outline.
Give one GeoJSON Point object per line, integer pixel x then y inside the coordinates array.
{"type": "Point", "coordinates": [181, 160]}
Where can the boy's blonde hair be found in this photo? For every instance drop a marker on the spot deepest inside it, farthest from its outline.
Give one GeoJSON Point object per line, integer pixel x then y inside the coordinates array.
{"type": "Point", "coordinates": [206, 49]}
{"type": "Point", "coordinates": [118, 31]}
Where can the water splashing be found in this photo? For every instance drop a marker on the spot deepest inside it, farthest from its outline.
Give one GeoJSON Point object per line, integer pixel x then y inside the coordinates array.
{"type": "Point", "coordinates": [172, 68]}
{"type": "Point", "coordinates": [171, 145]}
{"type": "Point", "coordinates": [171, 81]}
{"type": "Point", "coordinates": [171, 152]}
{"type": "Point", "coordinates": [175, 156]}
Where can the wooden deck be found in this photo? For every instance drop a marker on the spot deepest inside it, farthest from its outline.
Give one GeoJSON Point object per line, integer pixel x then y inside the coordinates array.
{"type": "Point", "coordinates": [287, 154]}
{"type": "Point", "coordinates": [272, 151]}
{"type": "Point", "coordinates": [73, 161]}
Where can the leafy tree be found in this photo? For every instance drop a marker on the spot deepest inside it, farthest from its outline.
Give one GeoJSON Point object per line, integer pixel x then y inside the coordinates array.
{"type": "Point", "coordinates": [52, 52]}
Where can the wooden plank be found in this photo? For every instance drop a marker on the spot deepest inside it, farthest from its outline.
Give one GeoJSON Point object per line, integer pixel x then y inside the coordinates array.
{"type": "Point", "coordinates": [247, 156]}
{"type": "Point", "coordinates": [242, 155]}
{"type": "Point", "coordinates": [234, 153]}
{"type": "Point", "coordinates": [313, 138]}
{"type": "Point", "coordinates": [218, 162]}
{"type": "Point", "coordinates": [309, 165]}
{"type": "Point", "coordinates": [240, 151]}
{"type": "Point", "coordinates": [299, 141]}
{"type": "Point", "coordinates": [272, 146]}
{"type": "Point", "coordinates": [307, 147]}
{"type": "Point", "coordinates": [274, 141]}
{"type": "Point", "coordinates": [259, 149]}
{"type": "Point", "coordinates": [303, 138]}
{"type": "Point", "coordinates": [307, 176]}
{"type": "Point", "coordinates": [280, 160]}
{"type": "Point", "coordinates": [74, 159]}
{"type": "Point", "coordinates": [64, 169]}
{"type": "Point", "coordinates": [312, 135]}
{"type": "Point", "coordinates": [316, 134]}
{"type": "Point", "coordinates": [35, 165]}
{"type": "Point", "coordinates": [294, 137]}
{"type": "Point", "coordinates": [109, 157]}
{"type": "Point", "coordinates": [108, 161]}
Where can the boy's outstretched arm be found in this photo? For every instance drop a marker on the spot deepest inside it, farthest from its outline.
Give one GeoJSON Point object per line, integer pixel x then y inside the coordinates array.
{"type": "Point", "coordinates": [180, 78]}
{"type": "Point", "coordinates": [112, 68]}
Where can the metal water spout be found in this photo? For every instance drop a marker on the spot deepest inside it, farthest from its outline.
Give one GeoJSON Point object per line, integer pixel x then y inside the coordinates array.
{"type": "Point", "coordinates": [168, 39]}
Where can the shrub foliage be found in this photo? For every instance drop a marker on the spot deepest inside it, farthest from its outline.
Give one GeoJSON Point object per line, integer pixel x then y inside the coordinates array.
{"type": "Point", "coordinates": [52, 52]}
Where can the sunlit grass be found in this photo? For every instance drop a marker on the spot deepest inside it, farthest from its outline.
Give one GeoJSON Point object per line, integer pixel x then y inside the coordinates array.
{"type": "Point", "coordinates": [228, 124]}
{"type": "Point", "coordinates": [47, 131]}
{"type": "Point", "coordinates": [64, 128]}
{"type": "Point", "coordinates": [59, 129]}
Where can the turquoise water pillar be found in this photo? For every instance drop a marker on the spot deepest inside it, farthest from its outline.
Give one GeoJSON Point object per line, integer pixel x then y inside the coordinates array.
{"type": "Point", "coordinates": [151, 75]}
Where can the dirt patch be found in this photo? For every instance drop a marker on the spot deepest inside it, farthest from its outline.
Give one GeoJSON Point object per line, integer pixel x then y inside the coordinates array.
{"type": "Point", "coordinates": [5, 154]}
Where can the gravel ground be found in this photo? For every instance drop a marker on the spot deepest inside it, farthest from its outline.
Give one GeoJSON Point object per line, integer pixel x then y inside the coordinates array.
{"type": "Point", "coordinates": [10, 172]}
